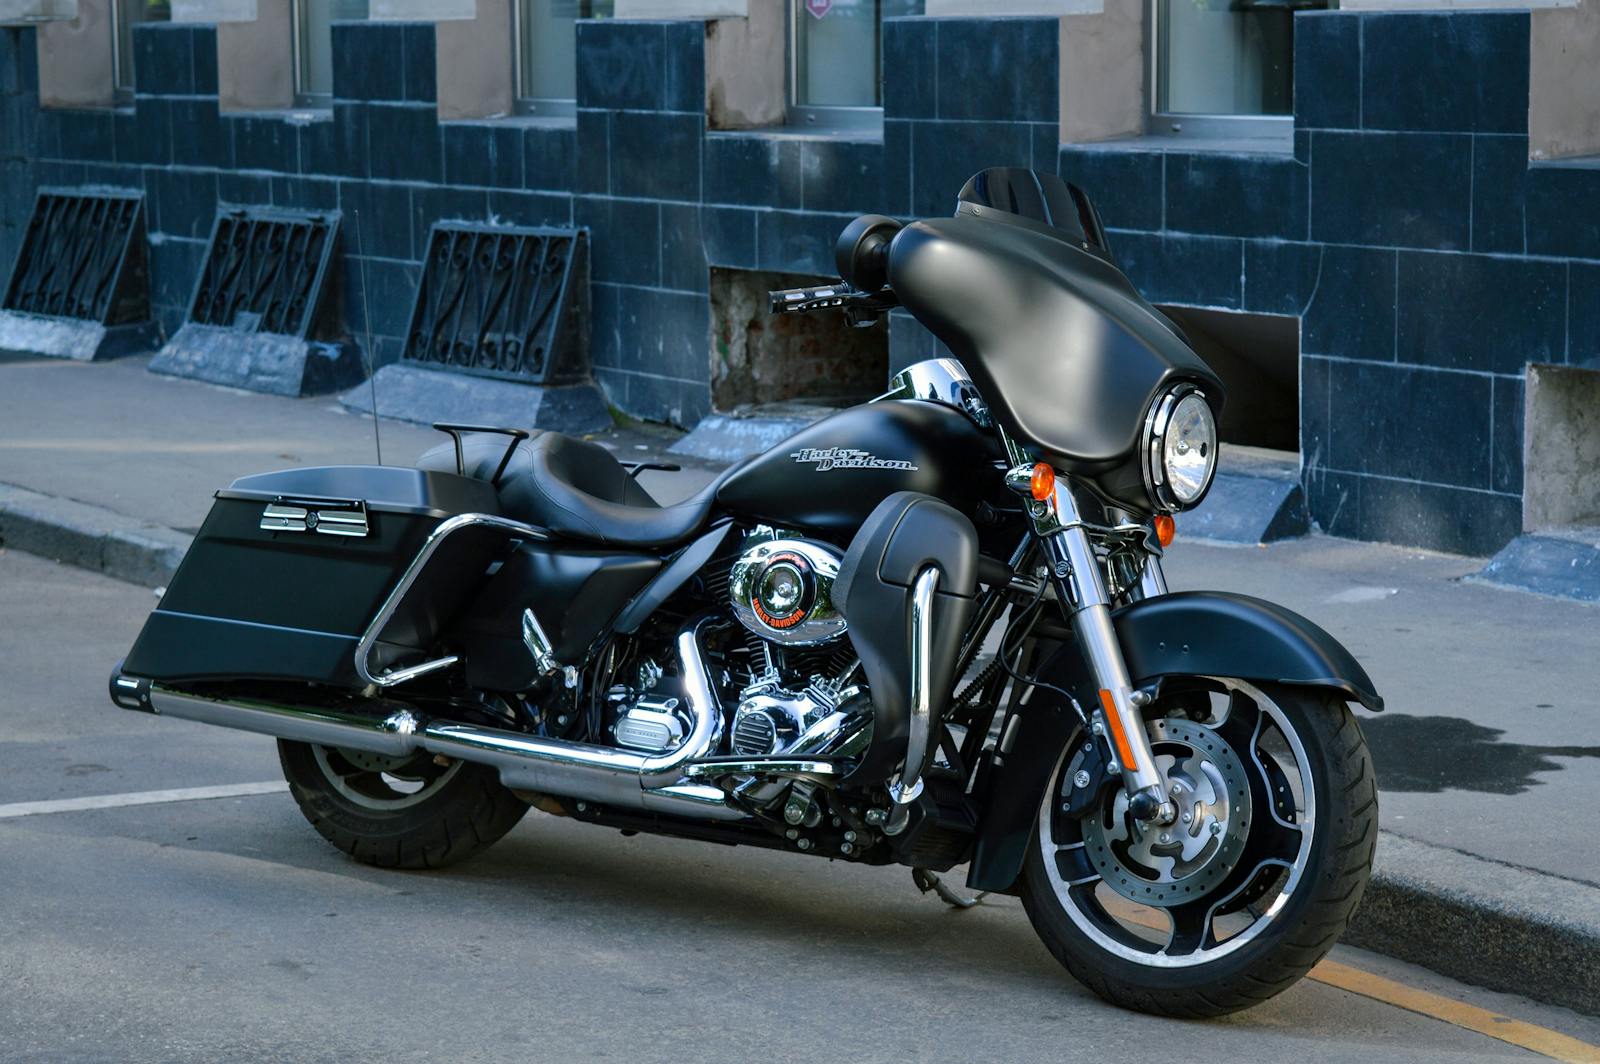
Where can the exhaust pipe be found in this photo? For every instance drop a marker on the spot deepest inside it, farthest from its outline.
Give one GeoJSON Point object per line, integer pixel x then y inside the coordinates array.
{"type": "Point", "coordinates": [646, 782]}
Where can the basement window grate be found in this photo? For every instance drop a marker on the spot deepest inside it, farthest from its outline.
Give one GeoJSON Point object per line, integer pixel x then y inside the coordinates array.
{"type": "Point", "coordinates": [501, 302]}
{"type": "Point", "coordinates": [265, 271]}
{"type": "Point", "coordinates": [84, 257]}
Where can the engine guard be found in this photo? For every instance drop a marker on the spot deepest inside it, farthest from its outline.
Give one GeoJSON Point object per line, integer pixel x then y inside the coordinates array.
{"type": "Point", "coordinates": [1187, 633]}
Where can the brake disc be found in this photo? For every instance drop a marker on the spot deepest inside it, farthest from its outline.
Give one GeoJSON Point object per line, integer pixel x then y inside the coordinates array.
{"type": "Point", "coordinates": [1168, 864]}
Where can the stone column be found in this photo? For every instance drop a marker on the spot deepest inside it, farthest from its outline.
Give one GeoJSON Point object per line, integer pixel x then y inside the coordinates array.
{"type": "Point", "coordinates": [474, 62]}
{"type": "Point", "coordinates": [75, 58]}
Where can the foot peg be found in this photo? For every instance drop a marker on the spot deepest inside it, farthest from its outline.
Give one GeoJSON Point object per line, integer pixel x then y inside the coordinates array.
{"type": "Point", "coordinates": [926, 881]}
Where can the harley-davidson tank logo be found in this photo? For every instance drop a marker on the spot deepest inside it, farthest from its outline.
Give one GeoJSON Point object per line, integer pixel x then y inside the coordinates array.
{"type": "Point", "coordinates": [845, 458]}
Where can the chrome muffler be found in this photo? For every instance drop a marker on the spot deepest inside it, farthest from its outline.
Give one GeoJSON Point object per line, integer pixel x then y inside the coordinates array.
{"type": "Point", "coordinates": [648, 782]}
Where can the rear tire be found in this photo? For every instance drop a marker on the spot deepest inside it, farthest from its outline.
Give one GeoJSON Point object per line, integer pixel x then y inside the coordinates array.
{"type": "Point", "coordinates": [410, 813]}
{"type": "Point", "coordinates": [1299, 934]}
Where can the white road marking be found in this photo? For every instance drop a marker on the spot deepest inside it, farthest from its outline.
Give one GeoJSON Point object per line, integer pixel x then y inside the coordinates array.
{"type": "Point", "coordinates": [1362, 594]}
{"type": "Point", "coordinates": [117, 801]}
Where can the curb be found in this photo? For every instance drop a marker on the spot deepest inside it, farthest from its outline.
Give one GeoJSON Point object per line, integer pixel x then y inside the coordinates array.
{"type": "Point", "coordinates": [90, 537]}
{"type": "Point", "coordinates": [1494, 925]}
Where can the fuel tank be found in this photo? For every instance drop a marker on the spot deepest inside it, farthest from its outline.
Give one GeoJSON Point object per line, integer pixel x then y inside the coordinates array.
{"type": "Point", "coordinates": [828, 477]}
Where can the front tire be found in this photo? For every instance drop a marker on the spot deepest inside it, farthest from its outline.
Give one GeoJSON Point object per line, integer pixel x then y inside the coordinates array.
{"type": "Point", "coordinates": [1224, 922]}
{"type": "Point", "coordinates": [409, 812]}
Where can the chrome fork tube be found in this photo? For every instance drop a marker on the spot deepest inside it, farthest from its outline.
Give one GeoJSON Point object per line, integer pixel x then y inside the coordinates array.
{"type": "Point", "coordinates": [1082, 587]}
{"type": "Point", "coordinates": [1152, 581]}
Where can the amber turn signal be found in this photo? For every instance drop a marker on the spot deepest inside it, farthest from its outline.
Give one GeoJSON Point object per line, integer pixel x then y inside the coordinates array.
{"type": "Point", "coordinates": [1166, 529]}
{"type": "Point", "coordinates": [1043, 484]}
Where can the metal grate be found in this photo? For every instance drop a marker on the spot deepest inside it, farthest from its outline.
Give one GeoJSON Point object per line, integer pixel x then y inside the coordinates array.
{"type": "Point", "coordinates": [500, 303]}
{"type": "Point", "coordinates": [264, 271]}
{"type": "Point", "coordinates": [83, 257]}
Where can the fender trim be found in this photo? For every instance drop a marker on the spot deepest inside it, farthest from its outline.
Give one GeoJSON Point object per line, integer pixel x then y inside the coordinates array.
{"type": "Point", "coordinates": [1216, 633]}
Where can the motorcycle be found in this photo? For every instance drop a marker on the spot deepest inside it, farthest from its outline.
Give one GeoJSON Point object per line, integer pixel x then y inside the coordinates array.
{"type": "Point", "coordinates": [930, 630]}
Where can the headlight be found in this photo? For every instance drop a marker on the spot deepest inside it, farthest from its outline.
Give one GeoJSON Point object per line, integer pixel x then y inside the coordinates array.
{"type": "Point", "coordinates": [1180, 451]}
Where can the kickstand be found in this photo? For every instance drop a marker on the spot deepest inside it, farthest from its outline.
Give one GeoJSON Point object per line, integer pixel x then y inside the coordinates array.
{"type": "Point", "coordinates": [926, 881]}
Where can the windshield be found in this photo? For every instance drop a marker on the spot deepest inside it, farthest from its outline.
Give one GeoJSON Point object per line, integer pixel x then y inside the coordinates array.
{"type": "Point", "coordinates": [1037, 197]}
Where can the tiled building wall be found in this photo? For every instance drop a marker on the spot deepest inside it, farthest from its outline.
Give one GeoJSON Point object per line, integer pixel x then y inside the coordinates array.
{"type": "Point", "coordinates": [1427, 263]}
{"type": "Point", "coordinates": [19, 116]}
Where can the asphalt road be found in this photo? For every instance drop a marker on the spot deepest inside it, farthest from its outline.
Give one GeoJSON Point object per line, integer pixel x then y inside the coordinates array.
{"type": "Point", "coordinates": [226, 929]}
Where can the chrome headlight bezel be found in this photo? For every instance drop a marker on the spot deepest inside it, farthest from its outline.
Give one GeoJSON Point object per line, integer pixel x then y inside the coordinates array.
{"type": "Point", "coordinates": [1153, 462]}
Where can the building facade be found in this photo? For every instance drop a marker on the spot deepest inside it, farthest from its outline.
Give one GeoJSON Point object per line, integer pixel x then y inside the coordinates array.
{"type": "Point", "coordinates": [1374, 221]}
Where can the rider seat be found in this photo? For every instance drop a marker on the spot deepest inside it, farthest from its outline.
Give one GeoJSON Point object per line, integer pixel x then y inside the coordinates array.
{"type": "Point", "coordinates": [575, 488]}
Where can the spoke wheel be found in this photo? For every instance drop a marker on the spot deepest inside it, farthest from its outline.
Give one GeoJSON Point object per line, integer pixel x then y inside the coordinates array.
{"type": "Point", "coordinates": [1251, 883]}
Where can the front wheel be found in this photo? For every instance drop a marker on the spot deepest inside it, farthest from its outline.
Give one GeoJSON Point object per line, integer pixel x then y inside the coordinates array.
{"type": "Point", "coordinates": [1247, 889]}
{"type": "Point", "coordinates": [398, 812]}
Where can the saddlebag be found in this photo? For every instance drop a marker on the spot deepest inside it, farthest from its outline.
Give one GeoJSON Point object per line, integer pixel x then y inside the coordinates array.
{"type": "Point", "coordinates": [290, 568]}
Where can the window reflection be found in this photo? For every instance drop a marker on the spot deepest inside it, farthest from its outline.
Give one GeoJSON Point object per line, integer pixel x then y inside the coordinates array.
{"type": "Point", "coordinates": [835, 50]}
{"type": "Point", "coordinates": [546, 39]}
{"type": "Point", "coordinates": [314, 42]}
{"type": "Point", "coordinates": [128, 14]}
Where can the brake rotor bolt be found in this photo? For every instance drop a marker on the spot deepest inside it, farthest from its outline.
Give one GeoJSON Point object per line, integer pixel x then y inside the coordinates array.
{"type": "Point", "coordinates": [1216, 828]}
{"type": "Point", "coordinates": [1080, 779]}
{"type": "Point", "coordinates": [1176, 790]}
{"type": "Point", "coordinates": [1165, 837]}
{"type": "Point", "coordinates": [1188, 817]}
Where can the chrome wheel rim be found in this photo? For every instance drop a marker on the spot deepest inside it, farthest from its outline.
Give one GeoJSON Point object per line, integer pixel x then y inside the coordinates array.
{"type": "Point", "coordinates": [1125, 890]}
{"type": "Point", "coordinates": [379, 783]}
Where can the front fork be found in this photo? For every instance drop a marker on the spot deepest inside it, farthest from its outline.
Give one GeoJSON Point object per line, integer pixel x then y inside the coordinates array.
{"type": "Point", "coordinates": [1081, 586]}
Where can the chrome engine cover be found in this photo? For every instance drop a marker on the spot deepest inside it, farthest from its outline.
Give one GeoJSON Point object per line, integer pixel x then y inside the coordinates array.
{"type": "Point", "coordinates": [782, 589]}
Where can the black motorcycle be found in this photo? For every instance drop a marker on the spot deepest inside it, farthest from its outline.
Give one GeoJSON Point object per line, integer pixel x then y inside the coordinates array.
{"type": "Point", "coordinates": [930, 630]}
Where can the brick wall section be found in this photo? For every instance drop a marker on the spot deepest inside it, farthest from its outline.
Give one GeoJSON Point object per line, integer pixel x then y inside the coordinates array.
{"type": "Point", "coordinates": [1427, 263]}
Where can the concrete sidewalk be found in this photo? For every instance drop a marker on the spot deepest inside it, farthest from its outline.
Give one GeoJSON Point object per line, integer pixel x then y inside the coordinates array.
{"type": "Point", "coordinates": [1488, 757]}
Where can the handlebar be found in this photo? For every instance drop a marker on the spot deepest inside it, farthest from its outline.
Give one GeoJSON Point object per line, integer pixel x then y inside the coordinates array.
{"type": "Point", "coordinates": [860, 308]}
{"type": "Point", "coordinates": [805, 300]}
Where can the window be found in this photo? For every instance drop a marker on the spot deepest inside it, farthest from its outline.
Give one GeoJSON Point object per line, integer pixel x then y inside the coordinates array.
{"type": "Point", "coordinates": [544, 43]}
{"type": "Point", "coordinates": [834, 74]}
{"type": "Point", "coordinates": [313, 46]}
{"type": "Point", "coordinates": [1224, 67]}
{"type": "Point", "coordinates": [126, 14]}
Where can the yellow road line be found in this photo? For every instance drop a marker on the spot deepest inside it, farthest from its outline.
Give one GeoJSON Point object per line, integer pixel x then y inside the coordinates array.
{"type": "Point", "coordinates": [1528, 1036]}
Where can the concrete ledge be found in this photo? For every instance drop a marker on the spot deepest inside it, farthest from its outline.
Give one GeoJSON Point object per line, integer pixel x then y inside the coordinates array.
{"type": "Point", "coordinates": [735, 436]}
{"type": "Point", "coordinates": [1495, 925]}
{"type": "Point", "coordinates": [424, 396]}
{"type": "Point", "coordinates": [258, 362]}
{"type": "Point", "coordinates": [1256, 498]}
{"type": "Point", "coordinates": [82, 341]}
{"type": "Point", "coordinates": [89, 537]}
{"type": "Point", "coordinates": [1561, 565]}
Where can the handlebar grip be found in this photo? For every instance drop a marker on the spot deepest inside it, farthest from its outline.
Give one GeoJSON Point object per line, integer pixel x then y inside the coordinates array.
{"type": "Point", "coordinates": [803, 300]}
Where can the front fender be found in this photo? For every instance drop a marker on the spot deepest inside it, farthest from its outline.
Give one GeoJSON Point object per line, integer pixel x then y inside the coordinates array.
{"type": "Point", "coordinates": [1187, 633]}
{"type": "Point", "coordinates": [1215, 633]}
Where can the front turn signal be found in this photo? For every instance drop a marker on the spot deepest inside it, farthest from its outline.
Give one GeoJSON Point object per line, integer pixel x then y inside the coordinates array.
{"type": "Point", "coordinates": [1166, 529]}
{"type": "Point", "coordinates": [1043, 484]}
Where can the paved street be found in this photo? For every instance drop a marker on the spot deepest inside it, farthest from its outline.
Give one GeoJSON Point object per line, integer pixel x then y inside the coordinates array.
{"type": "Point", "coordinates": [227, 929]}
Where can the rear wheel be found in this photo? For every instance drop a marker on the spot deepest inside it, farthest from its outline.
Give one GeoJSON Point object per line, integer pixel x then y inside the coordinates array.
{"type": "Point", "coordinates": [1241, 895]}
{"type": "Point", "coordinates": [398, 812]}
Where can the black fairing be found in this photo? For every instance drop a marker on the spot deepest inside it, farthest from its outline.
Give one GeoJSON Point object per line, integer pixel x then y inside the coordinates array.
{"type": "Point", "coordinates": [905, 533]}
{"type": "Point", "coordinates": [1068, 355]}
{"type": "Point", "coordinates": [939, 451]}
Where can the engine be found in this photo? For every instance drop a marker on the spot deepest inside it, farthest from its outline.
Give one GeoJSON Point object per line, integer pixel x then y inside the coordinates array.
{"type": "Point", "coordinates": [781, 588]}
